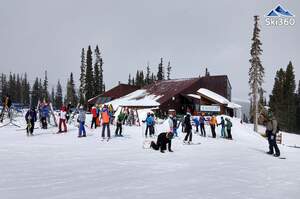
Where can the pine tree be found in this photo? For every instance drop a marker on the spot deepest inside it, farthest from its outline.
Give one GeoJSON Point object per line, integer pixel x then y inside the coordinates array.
{"type": "Point", "coordinates": [169, 70]}
{"type": "Point", "coordinates": [18, 90]}
{"type": "Point", "coordinates": [277, 98]}
{"type": "Point", "coordinates": [41, 91]}
{"type": "Point", "coordinates": [82, 78]}
{"type": "Point", "coordinates": [71, 93]}
{"type": "Point", "coordinates": [89, 79]}
{"type": "Point", "coordinates": [207, 74]}
{"type": "Point", "coordinates": [147, 80]}
{"type": "Point", "coordinates": [160, 73]}
{"type": "Point", "coordinates": [4, 85]}
{"type": "Point", "coordinates": [58, 96]}
{"type": "Point", "coordinates": [45, 87]}
{"type": "Point", "coordinates": [35, 93]}
{"type": "Point", "coordinates": [99, 63]}
{"type": "Point", "coordinates": [25, 90]}
{"type": "Point", "coordinates": [129, 79]}
{"type": "Point", "coordinates": [289, 88]}
{"type": "Point", "coordinates": [97, 85]}
{"type": "Point", "coordinates": [298, 109]}
{"type": "Point", "coordinates": [52, 98]}
{"type": "Point", "coordinates": [256, 71]}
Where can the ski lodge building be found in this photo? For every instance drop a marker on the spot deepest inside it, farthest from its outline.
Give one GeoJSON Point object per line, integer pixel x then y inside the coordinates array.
{"type": "Point", "coordinates": [209, 94]}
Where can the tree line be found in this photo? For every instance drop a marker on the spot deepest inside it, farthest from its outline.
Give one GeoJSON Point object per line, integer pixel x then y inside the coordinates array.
{"type": "Point", "coordinates": [145, 78]}
{"type": "Point", "coordinates": [284, 100]}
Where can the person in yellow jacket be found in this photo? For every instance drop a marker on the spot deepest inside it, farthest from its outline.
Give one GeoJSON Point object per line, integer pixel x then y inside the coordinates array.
{"type": "Point", "coordinates": [213, 122]}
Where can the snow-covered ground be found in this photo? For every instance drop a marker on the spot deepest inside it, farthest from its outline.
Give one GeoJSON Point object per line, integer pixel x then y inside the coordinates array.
{"type": "Point", "coordinates": [62, 166]}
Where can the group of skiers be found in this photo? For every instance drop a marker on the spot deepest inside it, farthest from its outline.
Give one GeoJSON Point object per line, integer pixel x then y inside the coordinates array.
{"type": "Point", "coordinates": [165, 138]}
{"type": "Point", "coordinates": [104, 116]}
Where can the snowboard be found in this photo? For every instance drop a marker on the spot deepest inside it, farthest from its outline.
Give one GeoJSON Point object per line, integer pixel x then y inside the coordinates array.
{"type": "Point", "coordinates": [191, 143]}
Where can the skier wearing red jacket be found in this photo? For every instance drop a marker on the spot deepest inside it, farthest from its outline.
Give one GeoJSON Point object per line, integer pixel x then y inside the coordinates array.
{"type": "Point", "coordinates": [94, 119]}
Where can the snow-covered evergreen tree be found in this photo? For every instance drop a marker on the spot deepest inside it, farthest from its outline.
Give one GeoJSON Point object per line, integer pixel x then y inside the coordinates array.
{"type": "Point", "coordinates": [169, 70]}
{"type": "Point", "coordinates": [82, 78]}
{"type": "Point", "coordinates": [58, 96]}
{"type": "Point", "coordinates": [256, 71]}
{"type": "Point", "coordinates": [89, 77]}
{"type": "Point", "coordinates": [71, 93]}
{"type": "Point", "coordinates": [98, 72]}
{"type": "Point", "coordinates": [160, 73]}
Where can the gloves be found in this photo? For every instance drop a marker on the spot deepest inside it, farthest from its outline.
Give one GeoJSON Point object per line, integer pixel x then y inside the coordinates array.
{"type": "Point", "coordinates": [272, 137]}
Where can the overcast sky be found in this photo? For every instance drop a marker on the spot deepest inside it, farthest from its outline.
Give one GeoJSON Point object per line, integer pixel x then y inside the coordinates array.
{"type": "Point", "coordinates": [37, 35]}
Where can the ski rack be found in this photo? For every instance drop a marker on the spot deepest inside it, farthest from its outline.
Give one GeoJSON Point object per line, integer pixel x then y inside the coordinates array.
{"type": "Point", "coordinates": [11, 120]}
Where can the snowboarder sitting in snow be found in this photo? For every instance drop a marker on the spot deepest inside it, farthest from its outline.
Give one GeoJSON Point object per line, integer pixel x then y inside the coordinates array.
{"type": "Point", "coordinates": [30, 118]}
{"type": "Point", "coordinates": [162, 140]}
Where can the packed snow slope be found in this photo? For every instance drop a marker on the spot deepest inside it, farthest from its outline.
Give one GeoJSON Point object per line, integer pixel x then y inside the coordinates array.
{"type": "Point", "coordinates": [62, 166]}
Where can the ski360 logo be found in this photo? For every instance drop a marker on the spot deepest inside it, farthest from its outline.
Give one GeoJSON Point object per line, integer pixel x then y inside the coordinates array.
{"type": "Point", "coordinates": [280, 17]}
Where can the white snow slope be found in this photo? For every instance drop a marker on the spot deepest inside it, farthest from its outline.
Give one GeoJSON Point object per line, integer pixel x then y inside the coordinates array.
{"type": "Point", "coordinates": [62, 166]}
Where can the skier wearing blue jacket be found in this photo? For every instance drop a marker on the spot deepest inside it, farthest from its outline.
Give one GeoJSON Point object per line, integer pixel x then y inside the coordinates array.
{"type": "Point", "coordinates": [149, 125]}
{"type": "Point", "coordinates": [196, 122]}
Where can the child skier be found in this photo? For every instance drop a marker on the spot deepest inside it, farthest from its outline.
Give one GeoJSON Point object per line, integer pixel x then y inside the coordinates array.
{"type": "Point", "coordinates": [94, 114]}
{"type": "Point", "coordinates": [30, 118]}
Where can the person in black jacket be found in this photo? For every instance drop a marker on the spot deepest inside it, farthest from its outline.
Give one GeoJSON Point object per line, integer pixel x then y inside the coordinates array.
{"type": "Point", "coordinates": [162, 140]}
{"type": "Point", "coordinates": [188, 128]}
{"type": "Point", "coordinates": [30, 118]}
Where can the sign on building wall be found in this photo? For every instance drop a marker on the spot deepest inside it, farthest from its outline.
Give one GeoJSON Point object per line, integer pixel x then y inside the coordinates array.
{"type": "Point", "coordinates": [210, 108]}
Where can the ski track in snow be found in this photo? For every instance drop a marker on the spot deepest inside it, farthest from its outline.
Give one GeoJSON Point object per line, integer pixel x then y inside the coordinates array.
{"type": "Point", "coordinates": [62, 166]}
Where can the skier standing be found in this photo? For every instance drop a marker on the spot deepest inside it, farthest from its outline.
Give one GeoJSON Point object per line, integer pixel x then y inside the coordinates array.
{"type": "Point", "coordinates": [188, 128]}
{"type": "Point", "coordinates": [120, 120]}
{"type": "Point", "coordinates": [196, 122]}
{"type": "Point", "coordinates": [94, 114]}
{"type": "Point", "coordinates": [149, 124]}
{"type": "Point", "coordinates": [175, 125]}
{"type": "Point", "coordinates": [44, 116]}
{"type": "Point", "coordinates": [162, 140]}
{"type": "Point", "coordinates": [271, 131]}
{"type": "Point", "coordinates": [62, 119]}
{"type": "Point", "coordinates": [30, 118]}
{"type": "Point", "coordinates": [213, 123]}
{"type": "Point", "coordinates": [105, 122]}
{"type": "Point", "coordinates": [222, 127]}
{"type": "Point", "coordinates": [228, 128]}
{"type": "Point", "coordinates": [81, 120]}
{"type": "Point", "coordinates": [202, 121]}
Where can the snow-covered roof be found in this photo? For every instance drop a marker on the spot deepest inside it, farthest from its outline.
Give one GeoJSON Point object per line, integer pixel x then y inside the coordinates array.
{"type": "Point", "coordinates": [194, 96]}
{"type": "Point", "coordinates": [233, 105]}
{"type": "Point", "coordinates": [138, 98]}
{"type": "Point", "coordinates": [213, 96]}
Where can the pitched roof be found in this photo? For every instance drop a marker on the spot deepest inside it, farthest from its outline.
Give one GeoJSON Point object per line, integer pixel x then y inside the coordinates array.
{"type": "Point", "coordinates": [168, 88]}
{"type": "Point", "coordinates": [114, 93]}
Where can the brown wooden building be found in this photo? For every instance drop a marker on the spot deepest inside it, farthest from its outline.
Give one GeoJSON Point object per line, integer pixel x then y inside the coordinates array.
{"type": "Point", "coordinates": [181, 94]}
{"type": "Point", "coordinates": [114, 93]}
